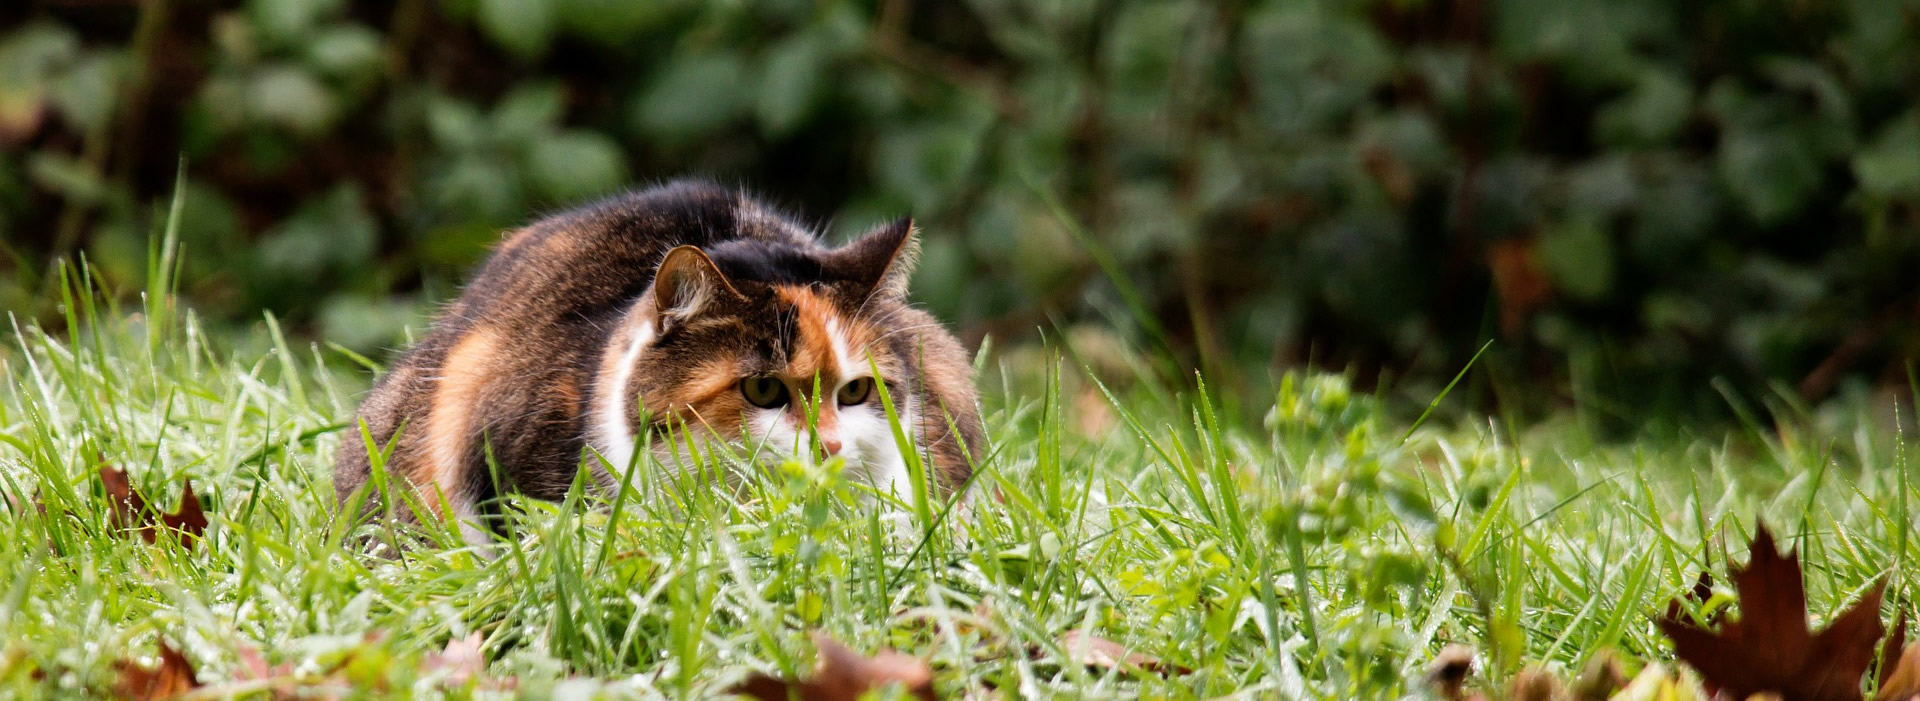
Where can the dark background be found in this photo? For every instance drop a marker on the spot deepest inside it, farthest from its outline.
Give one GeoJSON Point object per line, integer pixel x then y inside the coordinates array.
{"type": "Point", "coordinates": [1629, 197]}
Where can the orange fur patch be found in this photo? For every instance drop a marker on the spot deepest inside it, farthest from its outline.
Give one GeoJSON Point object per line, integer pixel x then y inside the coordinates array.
{"type": "Point", "coordinates": [460, 388]}
{"type": "Point", "coordinates": [568, 392]}
{"type": "Point", "coordinates": [812, 350]}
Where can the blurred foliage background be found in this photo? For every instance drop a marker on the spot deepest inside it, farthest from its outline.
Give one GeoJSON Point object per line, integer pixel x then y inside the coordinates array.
{"type": "Point", "coordinates": [1629, 197]}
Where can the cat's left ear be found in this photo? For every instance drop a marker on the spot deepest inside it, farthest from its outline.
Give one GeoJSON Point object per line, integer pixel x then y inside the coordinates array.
{"type": "Point", "coordinates": [882, 259]}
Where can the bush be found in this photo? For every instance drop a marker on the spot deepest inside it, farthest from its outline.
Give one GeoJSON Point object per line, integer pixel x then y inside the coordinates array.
{"type": "Point", "coordinates": [1629, 195]}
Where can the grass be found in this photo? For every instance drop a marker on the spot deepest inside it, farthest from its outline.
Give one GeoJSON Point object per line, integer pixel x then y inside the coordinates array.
{"type": "Point", "coordinates": [1325, 550]}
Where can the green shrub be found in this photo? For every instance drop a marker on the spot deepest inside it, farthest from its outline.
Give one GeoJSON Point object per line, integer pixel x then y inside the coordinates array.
{"type": "Point", "coordinates": [1630, 195]}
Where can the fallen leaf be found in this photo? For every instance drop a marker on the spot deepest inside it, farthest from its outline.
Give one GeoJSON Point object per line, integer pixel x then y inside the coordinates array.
{"type": "Point", "coordinates": [281, 685]}
{"type": "Point", "coordinates": [1903, 683]}
{"type": "Point", "coordinates": [463, 660]}
{"type": "Point", "coordinates": [1770, 649]}
{"type": "Point", "coordinates": [840, 674]}
{"type": "Point", "coordinates": [1522, 287]}
{"type": "Point", "coordinates": [172, 678]}
{"type": "Point", "coordinates": [1891, 651]}
{"type": "Point", "coordinates": [1095, 651]}
{"type": "Point", "coordinates": [189, 520]}
{"type": "Point", "coordinates": [1702, 591]}
{"type": "Point", "coordinates": [132, 512]}
{"type": "Point", "coordinates": [1899, 678]}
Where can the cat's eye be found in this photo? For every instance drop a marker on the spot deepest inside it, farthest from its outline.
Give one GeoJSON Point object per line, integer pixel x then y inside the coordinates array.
{"type": "Point", "coordinates": [764, 392]}
{"type": "Point", "coordinates": [856, 392]}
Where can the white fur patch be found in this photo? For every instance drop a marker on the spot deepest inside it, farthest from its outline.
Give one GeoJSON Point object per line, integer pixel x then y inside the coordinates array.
{"type": "Point", "coordinates": [847, 369]}
{"type": "Point", "coordinates": [868, 444]}
{"type": "Point", "coordinates": [613, 436]}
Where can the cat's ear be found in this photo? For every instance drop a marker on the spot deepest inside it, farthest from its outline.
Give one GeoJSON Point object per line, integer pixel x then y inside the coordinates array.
{"type": "Point", "coordinates": [687, 283]}
{"type": "Point", "coordinates": [882, 259]}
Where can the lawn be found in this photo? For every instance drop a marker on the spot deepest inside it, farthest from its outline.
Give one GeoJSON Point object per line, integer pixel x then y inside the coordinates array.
{"type": "Point", "coordinates": [1312, 545]}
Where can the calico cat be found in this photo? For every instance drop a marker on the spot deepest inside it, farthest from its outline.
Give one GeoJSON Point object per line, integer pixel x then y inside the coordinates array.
{"type": "Point", "coordinates": [686, 311]}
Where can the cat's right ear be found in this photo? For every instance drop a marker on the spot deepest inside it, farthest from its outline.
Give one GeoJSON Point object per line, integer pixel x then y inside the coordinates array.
{"type": "Point", "coordinates": [688, 283]}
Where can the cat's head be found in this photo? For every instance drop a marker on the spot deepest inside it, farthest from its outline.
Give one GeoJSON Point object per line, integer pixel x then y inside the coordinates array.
{"type": "Point", "coordinates": [775, 347]}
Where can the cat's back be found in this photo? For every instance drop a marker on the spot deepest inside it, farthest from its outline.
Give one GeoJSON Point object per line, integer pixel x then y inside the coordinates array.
{"type": "Point", "coordinates": [596, 258]}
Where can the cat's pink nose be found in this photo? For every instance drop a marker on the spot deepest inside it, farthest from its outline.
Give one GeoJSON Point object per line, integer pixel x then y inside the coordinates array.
{"type": "Point", "coordinates": [830, 446]}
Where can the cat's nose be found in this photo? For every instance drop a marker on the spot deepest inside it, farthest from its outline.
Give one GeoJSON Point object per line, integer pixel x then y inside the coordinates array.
{"type": "Point", "coordinates": [830, 446]}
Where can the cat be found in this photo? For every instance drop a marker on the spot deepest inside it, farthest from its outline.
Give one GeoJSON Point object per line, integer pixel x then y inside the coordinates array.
{"type": "Point", "coordinates": [687, 311]}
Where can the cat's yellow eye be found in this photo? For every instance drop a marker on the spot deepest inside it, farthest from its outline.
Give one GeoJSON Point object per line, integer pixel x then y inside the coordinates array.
{"type": "Point", "coordinates": [764, 392]}
{"type": "Point", "coordinates": [856, 392]}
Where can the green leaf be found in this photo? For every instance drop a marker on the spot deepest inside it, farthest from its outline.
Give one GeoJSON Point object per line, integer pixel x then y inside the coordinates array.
{"type": "Point", "coordinates": [332, 232]}
{"type": "Point", "coordinates": [291, 98]}
{"type": "Point", "coordinates": [523, 27]}
{"type": "Point", "coordinates": [476, 188]}
{"type": "Point", "coordinates": [29, 53]}
{"type": "Point", "coordinates": [1652, 113]}
{"type": "Point", "coordinates": [1578, 256]}
{"type": "Point", "coordinates": [454, 124]}
{"type": "Point", "coordinates": [1142, 52]}
{"type": "Point", "coordinates": [575, 163]}
{"type": "Point", "coordinates": [1410, 506]}
{"type": "Point", "coordinates": [67, 176]}
{"type": "Point", "coordinates": [288, 22]}
{"type": "Point", "coordinates": [86, 93]}
{"type": "Point", "coordinates": [532, 108]}
{"type": "Point", "coordinates": [925, 162]}
{"type": "Point", "coordinates": [790, 84]}
{"type": "Point", "coordinates": [345, 51]}
{"type": "Point", "coordinates": [1310, 66]}
{"type": "Point", "coordinates": [1889, 166]}
{"type": "Point", "coordinates": [696, 94]}
{"type": "Point", "coordinates": [1771, 172]}
{"type": "Point", "coordinates": [615, 23]}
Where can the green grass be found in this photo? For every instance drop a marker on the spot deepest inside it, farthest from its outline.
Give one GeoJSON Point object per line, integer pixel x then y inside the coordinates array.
{"type": "Point", "coordinates": [1326, 550]}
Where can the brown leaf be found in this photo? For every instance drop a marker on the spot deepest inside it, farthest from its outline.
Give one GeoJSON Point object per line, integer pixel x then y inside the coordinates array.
{"type": "Point", "coordinates": [132, 512]}
{"type": "Point", "coordinates": [840, 674]}
{"type": "Point", "coordinates": [1903, 682]}
{"type": "Point", "coordinates": [281, 685]}
{"type": "Point", "coordinates": [1520, 283]}
{"type": "Point", "coordinates": [463, 659]}
{"type": "Point", "coordinates": [174, 677]}
{"type": "Point", "coordinates": [1702, 591]}
{"type": "Point", "coordinates": [1770, 649]}
{"type": "Point", "coordinates": [129, 508]}
{"type": "Point", "coordinates": [189, 520]}
{"type": "Point", "coordinates": [1095, 651]}
{"type": "Point", "coordinates": [1891, 649]}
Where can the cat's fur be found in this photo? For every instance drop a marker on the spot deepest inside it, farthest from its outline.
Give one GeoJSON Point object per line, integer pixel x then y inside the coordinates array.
{"type": "Point", "coordinates": [645, 313]}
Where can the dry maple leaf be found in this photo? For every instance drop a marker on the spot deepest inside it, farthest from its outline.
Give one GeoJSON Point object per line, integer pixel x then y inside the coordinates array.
{"type": "Point", "coordinates": [1702, 591]}
{"type": "Point", "coordinates": [1095, 651]}
{"type": "Point", "coordinates": [1770, 649]}
{"type": "Point", "coordinates": [254, 668]}
{"type": "Point", "coordinates": [1899, 678]}
{"type": "Point", "coordinates": [131, 511]}
{"type": "Point", "coordinates": [840, 674]}
{"type": "Point", "coordinates": [463, 659]}
{"type": "Point", "coordinates": [174, 677]}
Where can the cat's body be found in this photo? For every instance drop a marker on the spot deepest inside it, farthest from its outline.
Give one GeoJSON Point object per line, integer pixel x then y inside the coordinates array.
{"type": "Point", "coordinates": [687, 311]}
